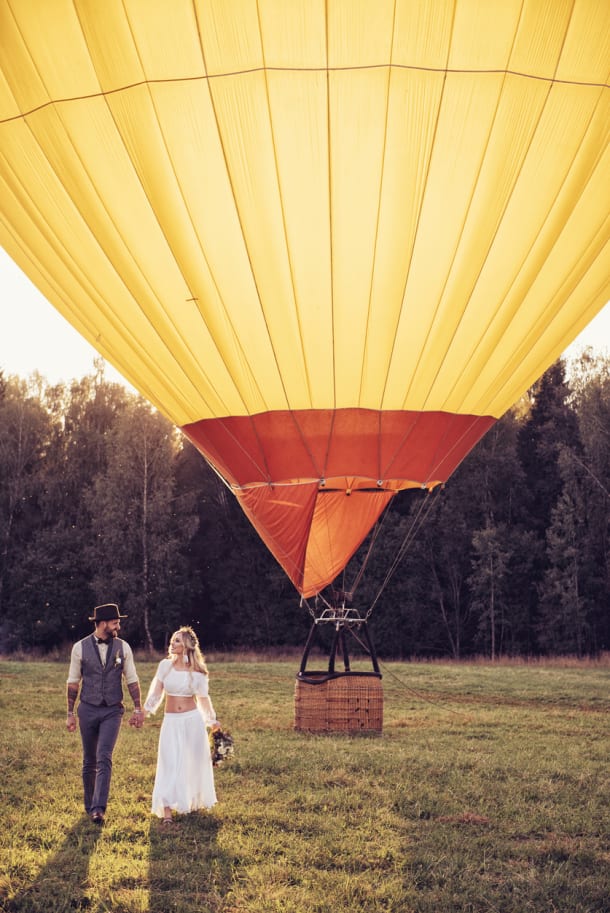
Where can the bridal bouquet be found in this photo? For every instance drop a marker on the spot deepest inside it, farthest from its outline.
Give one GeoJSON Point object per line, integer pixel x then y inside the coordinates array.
{"type": "Point", "coordinates": [221, 745]}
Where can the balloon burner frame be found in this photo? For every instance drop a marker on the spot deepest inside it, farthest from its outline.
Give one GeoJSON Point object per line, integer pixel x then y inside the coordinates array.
{"type": "Point", "coordinates": [339, 701]}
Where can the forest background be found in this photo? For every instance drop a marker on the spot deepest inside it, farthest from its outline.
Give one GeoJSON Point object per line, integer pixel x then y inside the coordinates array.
{"type": "Point", "coordinates": [101, 499]}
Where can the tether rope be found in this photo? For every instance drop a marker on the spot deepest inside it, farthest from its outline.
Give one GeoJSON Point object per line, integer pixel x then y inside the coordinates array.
{"type": "Point", "coordinates": [406, 687]}
{"type": "Point", "coordinates": [419, 696]}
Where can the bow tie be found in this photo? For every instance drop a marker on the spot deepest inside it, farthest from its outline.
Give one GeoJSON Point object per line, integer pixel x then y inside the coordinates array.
{"type": "Point", "coordinates": [100, 640]}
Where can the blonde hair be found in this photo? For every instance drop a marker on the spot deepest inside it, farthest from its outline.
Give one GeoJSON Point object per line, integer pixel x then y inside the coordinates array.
{"type": "Point", "coordinates": [192, 650]}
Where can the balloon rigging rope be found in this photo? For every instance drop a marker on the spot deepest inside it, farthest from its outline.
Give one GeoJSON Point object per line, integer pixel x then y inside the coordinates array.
{"type": "Point", "coordinates": [374, 537]}
{"type": "Point", "coordinates": [420, 517]}
{"type": "Point", "coordinates": [422, 514]}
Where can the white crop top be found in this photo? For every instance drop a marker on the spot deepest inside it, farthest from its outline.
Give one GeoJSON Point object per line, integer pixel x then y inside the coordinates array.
{"type": "Point", "coordinates": [176, 683]}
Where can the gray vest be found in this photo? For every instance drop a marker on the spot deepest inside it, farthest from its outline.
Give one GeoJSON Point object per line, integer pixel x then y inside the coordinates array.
{"type": "Point", "coordinates": [102, 685]}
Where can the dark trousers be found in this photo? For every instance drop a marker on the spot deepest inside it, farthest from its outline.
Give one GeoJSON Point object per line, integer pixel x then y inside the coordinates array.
{"type": "Point", "coordinates": [99, 730]}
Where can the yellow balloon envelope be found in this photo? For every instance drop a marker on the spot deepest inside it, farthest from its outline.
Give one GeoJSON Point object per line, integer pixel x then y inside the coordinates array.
{"type": "Point", "coordinates": [332, 240]}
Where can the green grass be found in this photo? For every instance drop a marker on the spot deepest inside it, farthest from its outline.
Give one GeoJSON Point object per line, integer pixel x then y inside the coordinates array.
{"type": "Point", "coordinates": [488, 792]}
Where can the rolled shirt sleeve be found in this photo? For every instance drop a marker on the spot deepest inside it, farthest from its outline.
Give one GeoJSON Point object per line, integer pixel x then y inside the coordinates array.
{"type": "Point", "coordinates": [129, 667]}
{"type": "Point", "coordinates": [74, 672]}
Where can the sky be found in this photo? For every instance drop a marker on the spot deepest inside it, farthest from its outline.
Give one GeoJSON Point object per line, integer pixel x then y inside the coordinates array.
{"type": "Point", "coordinates": [35, 337]}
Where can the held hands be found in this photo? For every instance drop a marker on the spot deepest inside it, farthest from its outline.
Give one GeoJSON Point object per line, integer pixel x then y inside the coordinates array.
{"type": "Point", "coordinates": [137, 719]}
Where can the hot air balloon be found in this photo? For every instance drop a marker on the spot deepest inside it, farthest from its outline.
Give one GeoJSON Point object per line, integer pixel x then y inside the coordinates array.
{"type": "Point", "coordinates": [332, 241]}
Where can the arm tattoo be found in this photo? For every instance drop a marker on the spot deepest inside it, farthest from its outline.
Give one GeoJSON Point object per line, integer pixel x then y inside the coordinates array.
{"type": "Point", "coordinates": [71, 696]}
{"type": "Point", "coordinates": [134, 690]}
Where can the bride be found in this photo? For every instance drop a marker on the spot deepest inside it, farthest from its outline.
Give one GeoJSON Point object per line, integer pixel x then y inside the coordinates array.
{"type": "Point", "coordinates": [184, 780]}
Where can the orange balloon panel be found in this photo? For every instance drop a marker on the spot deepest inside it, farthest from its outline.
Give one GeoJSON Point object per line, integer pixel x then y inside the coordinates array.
{"type": "Point", "coordinates": [312, 531]}
{"type": "Point", "coordinates": [314, 482]}
{"type": "Point", "coordinates": [327, 238]}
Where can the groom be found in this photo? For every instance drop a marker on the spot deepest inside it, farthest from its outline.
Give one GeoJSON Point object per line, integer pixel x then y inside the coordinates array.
{"type": "Point", "coordinates": [97, 665]}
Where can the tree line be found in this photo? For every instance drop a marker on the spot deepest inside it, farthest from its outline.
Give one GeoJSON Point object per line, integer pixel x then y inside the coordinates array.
{"type": "Point", "coordinates": [102, 500]}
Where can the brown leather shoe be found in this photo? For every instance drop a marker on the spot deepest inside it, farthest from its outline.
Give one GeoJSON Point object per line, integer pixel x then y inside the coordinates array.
{"type": "Point", "coordinates": [97, 817]}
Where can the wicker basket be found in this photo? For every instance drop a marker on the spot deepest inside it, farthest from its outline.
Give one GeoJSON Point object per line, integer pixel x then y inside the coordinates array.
{"type": "Point", "coordinates": [349, 702]}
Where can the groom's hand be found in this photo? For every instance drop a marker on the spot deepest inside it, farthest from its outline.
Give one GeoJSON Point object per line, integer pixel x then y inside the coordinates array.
{"type": "Point", "coordinates": [137, 719]}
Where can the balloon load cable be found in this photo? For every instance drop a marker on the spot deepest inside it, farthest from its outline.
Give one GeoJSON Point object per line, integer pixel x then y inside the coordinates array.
{"type": "Point", "coordinates": [417, 522]}
{"type": "Point", "coordinates": [420, 518]}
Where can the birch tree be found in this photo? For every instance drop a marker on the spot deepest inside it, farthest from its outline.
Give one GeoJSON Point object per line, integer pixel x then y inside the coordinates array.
{"type": "Point", "coordinates": [140, 527]}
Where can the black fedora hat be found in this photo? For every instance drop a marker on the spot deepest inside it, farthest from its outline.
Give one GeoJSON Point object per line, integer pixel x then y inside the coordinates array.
{"type": "Point", "coordinates": [107, 612]}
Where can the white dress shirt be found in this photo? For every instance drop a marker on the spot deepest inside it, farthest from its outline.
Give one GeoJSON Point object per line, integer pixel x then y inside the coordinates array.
{"type": "Point", "coordinates": [129, 668]}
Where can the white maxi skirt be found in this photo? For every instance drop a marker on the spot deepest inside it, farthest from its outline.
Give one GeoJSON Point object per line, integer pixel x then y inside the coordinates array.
{"type": "Point", "coordinates": [184, 780]}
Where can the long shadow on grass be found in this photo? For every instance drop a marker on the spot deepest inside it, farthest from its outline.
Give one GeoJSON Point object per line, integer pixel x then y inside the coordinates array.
{"type": "Point", "coordinates": [187, 869]}
{"type": "Point", "coordinates": [62, 882]}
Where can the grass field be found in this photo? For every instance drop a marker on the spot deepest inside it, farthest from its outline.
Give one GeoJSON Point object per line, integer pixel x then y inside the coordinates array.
{"type": "Point", "coordinates": [488, 792]}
